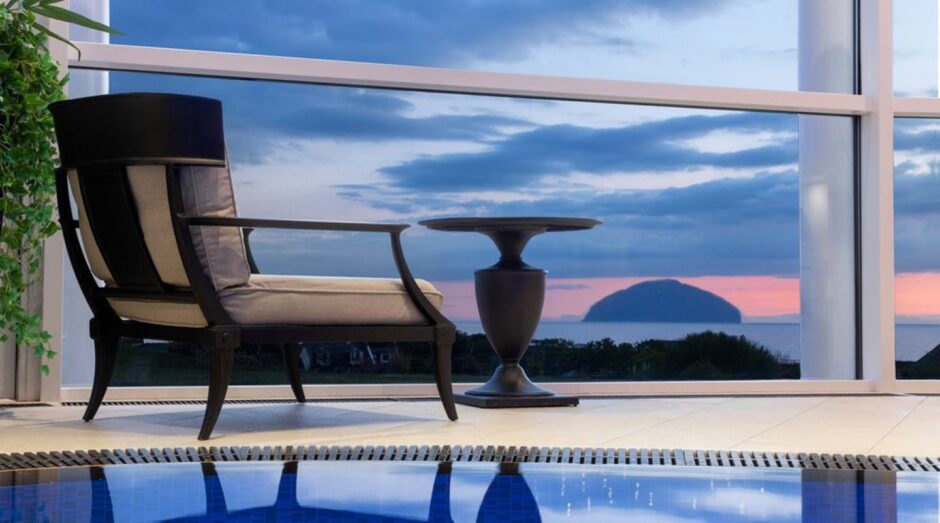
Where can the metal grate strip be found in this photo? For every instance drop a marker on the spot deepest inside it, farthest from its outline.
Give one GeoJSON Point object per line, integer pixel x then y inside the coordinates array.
{"type": "Point", "coordinates": [466, 453]}
{"type": "Point", "coordinates": [146, 403]}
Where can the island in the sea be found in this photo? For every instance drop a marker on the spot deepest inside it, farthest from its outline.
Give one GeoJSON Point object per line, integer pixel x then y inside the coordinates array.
{"type": "Point", "coordinates": [663, 301]}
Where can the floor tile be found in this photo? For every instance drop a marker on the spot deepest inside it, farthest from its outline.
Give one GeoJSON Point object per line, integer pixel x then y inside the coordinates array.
{"type": "Point", "coordinates": [896, 425]}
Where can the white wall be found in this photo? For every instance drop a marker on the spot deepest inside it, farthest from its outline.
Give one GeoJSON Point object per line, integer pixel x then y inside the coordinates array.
{"type": "Point", "coordinates": [78, 352]}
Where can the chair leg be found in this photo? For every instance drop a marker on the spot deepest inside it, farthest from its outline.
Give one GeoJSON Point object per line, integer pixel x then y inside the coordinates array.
{"type": "Point", "coordinates": [220, 373]}
{"type": "Point", "coordinates": [105, 355]}
{"type": "Point", "coordinates": [291, 353]}
{"type": "Point", "coordinates": [440, 359]}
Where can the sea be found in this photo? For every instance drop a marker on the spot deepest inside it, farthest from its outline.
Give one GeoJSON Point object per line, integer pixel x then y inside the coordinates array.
{"type": "Point", "coordinates": [783, 339]}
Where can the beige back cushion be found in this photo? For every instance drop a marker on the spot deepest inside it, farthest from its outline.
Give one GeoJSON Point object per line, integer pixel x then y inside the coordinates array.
{"type": "Point", "coordinates": [207, 191]}
{"type": "Point", "coordinates": [148, 186]}
{"type": "Point", "coordinates": [95, 260]}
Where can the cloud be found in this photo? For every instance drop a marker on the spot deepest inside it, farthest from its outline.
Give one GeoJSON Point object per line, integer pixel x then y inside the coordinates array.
{"type": "Point", "coordinates": [728, 226]}
{"type": "Point", "coordinates": [745, 226]}
{"type": "Point", "coordinates": [425, 32]}
{"type": "Point", "coordinates": [750, 503]}
{"type": "Point", "coordinates": [523, 158]}
{"type": "Point", "coordinates": [916, 139]}
{"type": "Point", "coordinates": [731, 226]}
{"type": "Point", "coordinates": [262, 116]}
{"type": "Point", "coordinates": [763, 196]}
{"type": "Point", "coordinates": [566, 286]}
{"type": "Point", "coordinates": [917, 195]}
{"type": "Point", "coordinates": [917, 222]}
{"type": "Point", "coordinates": [917, 135]}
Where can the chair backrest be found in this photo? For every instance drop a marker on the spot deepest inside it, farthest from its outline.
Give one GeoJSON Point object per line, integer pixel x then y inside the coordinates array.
{"type": "Point", "coordinates": [127, 159]}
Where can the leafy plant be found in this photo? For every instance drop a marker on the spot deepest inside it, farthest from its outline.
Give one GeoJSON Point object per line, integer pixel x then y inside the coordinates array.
{"type": "Point", "coordinates": [29, 82]}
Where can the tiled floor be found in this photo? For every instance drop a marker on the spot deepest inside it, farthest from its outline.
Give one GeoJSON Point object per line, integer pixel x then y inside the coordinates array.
{"type": "Point", "coordinates": [888, 425]}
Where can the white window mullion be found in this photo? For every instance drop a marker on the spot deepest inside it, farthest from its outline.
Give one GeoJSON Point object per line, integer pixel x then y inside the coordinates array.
{"type": "Point", "coordinates": [35, 385]}
{"type": "Point", "coordinates": [244, 66]}
{"type": "Point", "coordinates": [877, 195]}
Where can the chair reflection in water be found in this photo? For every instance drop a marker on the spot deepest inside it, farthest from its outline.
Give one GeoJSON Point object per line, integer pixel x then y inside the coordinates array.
{"type": "Point", "coordinates": [286, 507]}
{"type": "Point", "coordinates": [507, 498]}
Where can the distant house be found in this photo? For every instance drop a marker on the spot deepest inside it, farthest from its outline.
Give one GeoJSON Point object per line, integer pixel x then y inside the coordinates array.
{"type": "Point", "coordinates": [350, 357]}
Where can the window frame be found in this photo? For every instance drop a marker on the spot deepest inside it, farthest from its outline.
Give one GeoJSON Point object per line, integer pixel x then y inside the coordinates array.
{"type": "Point", "coordinates": [874, 108]}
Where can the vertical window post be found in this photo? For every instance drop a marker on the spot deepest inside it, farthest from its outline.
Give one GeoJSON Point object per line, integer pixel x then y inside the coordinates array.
{"type": "Point", "coordinates": [31, 384]}
{"type": "Point", "coordinates": [877, 195]}
{"type": "Point", "coordinates": [54, 266]}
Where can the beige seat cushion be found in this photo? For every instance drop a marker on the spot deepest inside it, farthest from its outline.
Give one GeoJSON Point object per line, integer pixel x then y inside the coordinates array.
{"type": "Point", "coordinates": [314, 300]}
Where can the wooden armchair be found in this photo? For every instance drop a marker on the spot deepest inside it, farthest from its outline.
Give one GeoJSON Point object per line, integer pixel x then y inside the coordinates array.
{"type": "Point", "coordinates": [158, 228]}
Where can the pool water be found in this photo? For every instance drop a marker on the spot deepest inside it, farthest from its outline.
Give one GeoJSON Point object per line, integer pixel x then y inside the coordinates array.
{"type": "Point", "coordinates": [482, 492]}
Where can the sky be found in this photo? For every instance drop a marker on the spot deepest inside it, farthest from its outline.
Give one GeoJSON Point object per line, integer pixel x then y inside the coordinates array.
{"type": "Point", "coordinates": [709, 197]}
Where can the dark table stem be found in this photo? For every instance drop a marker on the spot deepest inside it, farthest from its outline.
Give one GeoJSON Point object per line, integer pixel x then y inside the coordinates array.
{"type": "Point", "coordinates": [510, 295]}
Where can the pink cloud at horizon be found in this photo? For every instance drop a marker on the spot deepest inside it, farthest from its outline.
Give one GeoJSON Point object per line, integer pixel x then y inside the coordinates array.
{"type": "Point", "coordinates": [572, 297]}
{"type": "Point", "coordinates": [916, 294]}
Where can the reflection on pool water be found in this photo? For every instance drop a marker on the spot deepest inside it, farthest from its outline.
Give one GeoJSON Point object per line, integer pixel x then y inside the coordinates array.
{"type": "Point", "coordinates": [395, 491]}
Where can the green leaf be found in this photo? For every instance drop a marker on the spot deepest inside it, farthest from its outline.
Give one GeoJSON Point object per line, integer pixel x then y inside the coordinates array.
{"type": "Point", "coordinates": [29, 82]}
{"type": "Point", "coordinates": [58, 13]}
{"type": "Point", "coordinates": [44, 30]}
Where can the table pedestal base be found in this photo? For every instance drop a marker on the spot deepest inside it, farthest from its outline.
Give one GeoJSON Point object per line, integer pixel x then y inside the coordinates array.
{"type": "Point", "coordinates": [510, 387]}
{"type": "Point", "coordinates": [497, 402]}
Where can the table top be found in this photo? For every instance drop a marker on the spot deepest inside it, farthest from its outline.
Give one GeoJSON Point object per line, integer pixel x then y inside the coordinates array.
{"type": "Point", "coordinates": [514, 223]}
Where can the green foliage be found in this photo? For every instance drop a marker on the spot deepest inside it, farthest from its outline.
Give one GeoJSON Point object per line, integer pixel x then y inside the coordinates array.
{"type": "Point", "coordinates": [48, 9]}
{"type": "Point", "coordinates": [701, 356]}
{"type": "Point", "coordinates": [29, 82]}
{"type": "Point", "coordinates": [926, 368]}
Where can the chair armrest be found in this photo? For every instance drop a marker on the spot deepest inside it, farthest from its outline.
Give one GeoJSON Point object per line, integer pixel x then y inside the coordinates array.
{"type": "Point", "coordinates": [430, 313]}
{"type": "Point", "coordinates": [224, 221]}
{"type": "Point", "coordinates": [252, 264]}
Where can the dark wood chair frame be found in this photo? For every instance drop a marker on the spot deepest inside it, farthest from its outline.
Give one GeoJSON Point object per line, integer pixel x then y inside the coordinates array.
{"type": "Point", "coordinates": [111, 212]}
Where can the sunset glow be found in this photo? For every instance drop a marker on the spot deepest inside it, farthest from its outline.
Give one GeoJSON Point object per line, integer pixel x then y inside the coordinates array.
{"type": "Point", "coordinates": [570, 298]}
{"type": "Point", "coordinates": [917, 294]}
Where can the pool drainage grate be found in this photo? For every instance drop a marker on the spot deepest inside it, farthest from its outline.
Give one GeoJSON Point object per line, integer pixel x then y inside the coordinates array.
{"type": "Point", "coordinates": [147, 403]}
{"type": "Point", "coordinates": [475, 454]}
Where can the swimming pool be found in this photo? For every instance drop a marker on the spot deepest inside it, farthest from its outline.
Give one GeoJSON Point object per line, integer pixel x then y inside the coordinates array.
{"type": "Point", "coordinates": [428, 491]}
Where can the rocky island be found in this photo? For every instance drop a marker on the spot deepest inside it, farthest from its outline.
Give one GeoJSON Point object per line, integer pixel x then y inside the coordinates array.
{"type": "Point", "coordinates": [663, 301]}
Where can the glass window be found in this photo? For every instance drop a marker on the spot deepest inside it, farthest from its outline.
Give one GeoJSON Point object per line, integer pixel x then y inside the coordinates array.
{"type": "Point", "coordinates": [699, 207]}
{"type": "Point", "coordinates": [738, 43]}
{"type": "Point", "coordinates": [915, 48]}
{"type": "Point", "coordinates": [916, 249]}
